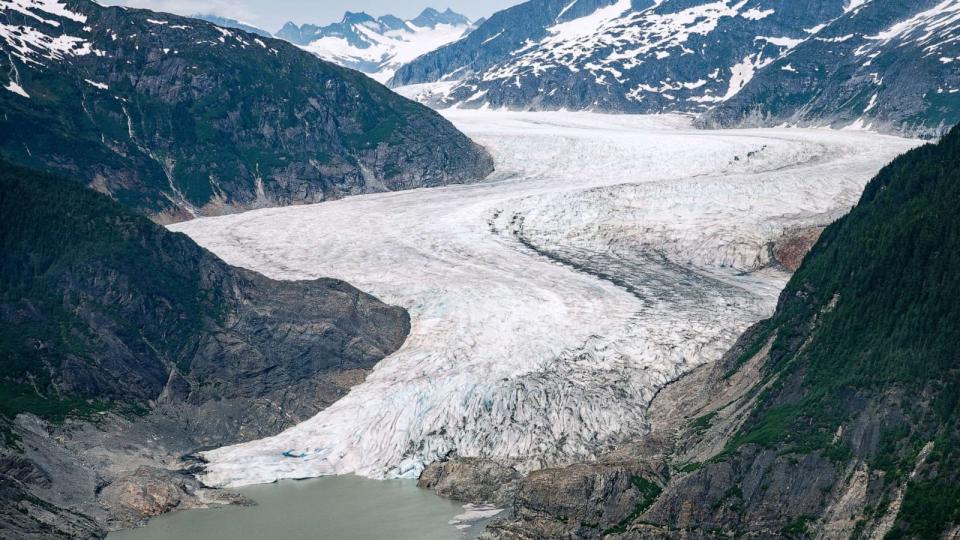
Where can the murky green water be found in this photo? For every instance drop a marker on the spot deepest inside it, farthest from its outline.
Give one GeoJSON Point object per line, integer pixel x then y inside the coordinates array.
{"type": "Point", "coordinates": [337, 507]}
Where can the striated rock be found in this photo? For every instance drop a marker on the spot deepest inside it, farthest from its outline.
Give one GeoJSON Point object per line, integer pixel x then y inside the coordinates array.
{"type": "Point", "coordinates": [581, 500]}
{"type": "Point", "coordinates": [148, 491]}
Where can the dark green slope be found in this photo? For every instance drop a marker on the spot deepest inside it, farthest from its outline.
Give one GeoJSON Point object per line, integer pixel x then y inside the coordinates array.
{"type": "Point", "coordinates": [857, 403]}
{"type": "Point", "coordinates": [101, 308]}
{"type": "Point", "coordinates": [872, 319]}
{"type": "Point", "coordinates": [174, 116]}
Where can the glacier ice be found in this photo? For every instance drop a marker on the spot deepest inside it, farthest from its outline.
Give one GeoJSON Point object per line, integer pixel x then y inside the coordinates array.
{"type": "Point", "coordinates": [607, 256]}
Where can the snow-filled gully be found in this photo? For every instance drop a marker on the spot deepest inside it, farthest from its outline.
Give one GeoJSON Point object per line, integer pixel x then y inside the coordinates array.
{"type": "Point", "coordinates": [607, 256]}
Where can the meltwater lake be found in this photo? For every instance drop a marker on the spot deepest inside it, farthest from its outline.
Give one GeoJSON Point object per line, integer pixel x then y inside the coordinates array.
{"type": "Point", "coordinates": [333, 507]}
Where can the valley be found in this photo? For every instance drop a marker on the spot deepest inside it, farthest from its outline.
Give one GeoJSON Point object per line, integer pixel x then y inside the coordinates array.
{"type": "Point", "coordinates": [605, 257]}
{"type": "Point", "coordinates": [570, 269]}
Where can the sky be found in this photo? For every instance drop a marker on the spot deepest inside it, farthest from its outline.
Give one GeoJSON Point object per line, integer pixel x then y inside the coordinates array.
{"type": "Point", "coordinates": [271, 14]}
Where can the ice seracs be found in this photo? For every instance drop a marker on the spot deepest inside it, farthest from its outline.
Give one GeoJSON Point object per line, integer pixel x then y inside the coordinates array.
{"type": "Point", "coordinates": [608, 256]}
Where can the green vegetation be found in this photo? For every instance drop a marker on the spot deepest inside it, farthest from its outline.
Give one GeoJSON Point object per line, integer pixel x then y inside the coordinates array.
{"type": "Point", "coordinates": [734, 494]}
{"type": "Point", "coordinates": [85, 284]}
{"type": "Point", "coordinates": [649, 492]}
{"type": "Point", "coordinates": [690, 467]}
{"type": "Point", "coordinates": [16, 399]}
{"type": "Point", "coordinates": [702, 423]}
{"type": "Point", "coordinates": [874, 314]}
{"type": "Point", "coordinates": [798, 528]}
{"type": "Point", "coordinates": [932, 499]}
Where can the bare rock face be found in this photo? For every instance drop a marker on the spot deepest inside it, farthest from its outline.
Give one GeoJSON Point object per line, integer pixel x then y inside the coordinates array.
{"type": "Point", "coordinates": [583, 500]}
{"type": "Point", "coordinates": [151, 491]}
{"type": "Point", "coordinates": [794, 245]}
{"type": "Point", "coordinates": [470, 480]}
{"type": "Point", "coordinates": [148, 491]}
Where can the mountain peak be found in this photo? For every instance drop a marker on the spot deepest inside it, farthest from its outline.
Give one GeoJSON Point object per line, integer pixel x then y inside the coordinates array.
{"type": "Point", "coordinates": [351, 17]}
{"type": "Point", "coordinates": [391, 22]}
{"type": "Point", "coordinates": [431, 17]}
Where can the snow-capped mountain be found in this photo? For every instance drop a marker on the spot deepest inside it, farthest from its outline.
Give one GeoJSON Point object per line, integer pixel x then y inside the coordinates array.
{"type": "Point", "coordinates": [378, 46]}
{"type": "Point", "coordinates": [647, 56]}
{"type": "Point", "coordinates": [871, 68]}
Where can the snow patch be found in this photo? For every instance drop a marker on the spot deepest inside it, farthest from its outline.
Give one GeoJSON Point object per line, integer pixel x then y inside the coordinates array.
{"type": "Point", "coordinates": [755, 14]}
{"type": "Point", "coordinates": [99, 85]}
{"type": "Point", "coordinates": [17, 89]}
{"type": "Point", "coordinates": [51, 7]}
{"type": "Point", "coordinates": [29, 44]}
{"type": "Point", "coordinates": [386, 50]}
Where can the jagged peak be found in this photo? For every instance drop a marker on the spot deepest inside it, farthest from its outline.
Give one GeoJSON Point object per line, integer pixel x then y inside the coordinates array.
{"type": "Point", "coordinates": [290, 25]}
{"type": "Point", "coordinates": [431, 17]}
{"type": "Point", "coordinates": [391, 21]}
{"type": "Point", "coordinates": [351, 17]}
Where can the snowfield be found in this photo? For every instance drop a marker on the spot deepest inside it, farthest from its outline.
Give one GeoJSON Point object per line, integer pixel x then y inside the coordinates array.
{"type": "Point", "coordinates": [386, 51]}
{"type": "Point", "coordinates": [607, 256]}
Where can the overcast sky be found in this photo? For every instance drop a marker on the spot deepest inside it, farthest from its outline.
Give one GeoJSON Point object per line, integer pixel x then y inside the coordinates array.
{"type": "Point", "coordinates": [271, 14]}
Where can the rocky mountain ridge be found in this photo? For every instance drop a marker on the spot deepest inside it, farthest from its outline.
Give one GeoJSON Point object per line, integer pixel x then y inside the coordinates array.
{"type": "Point", "coordinates": [177, 117]}
{"type": "Point", "coordinates": [883, 65]}
{"type": "Point", "coordinates": [886, 65]}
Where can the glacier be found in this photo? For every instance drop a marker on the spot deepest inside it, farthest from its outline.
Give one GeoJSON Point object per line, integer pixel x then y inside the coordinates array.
{"type": "Point", "coordinates": [606, 257]}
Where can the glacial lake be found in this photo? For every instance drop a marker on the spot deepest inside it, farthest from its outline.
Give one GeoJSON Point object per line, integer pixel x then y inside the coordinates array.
{"type": "Point", "coordinates": [334, 507]}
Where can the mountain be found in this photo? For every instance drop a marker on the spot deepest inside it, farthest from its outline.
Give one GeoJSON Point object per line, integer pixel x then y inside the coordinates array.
{"type": "Point", "coordinates": [142, 346]}
{"type": "Point", "coordinates": [378, 46]}
{"type": "Point", "coordinates": [233, 23]}
{"type": "Point", "coordinates": [177, 117]}
{"type": "Point", "coordinates": [839, 417]}
{"type": "Point", "coordinates": [729, 59]}
{"type": "Point", "coordinates": [870, 68]}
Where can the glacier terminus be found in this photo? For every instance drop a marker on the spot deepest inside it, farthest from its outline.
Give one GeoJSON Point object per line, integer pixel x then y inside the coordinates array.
{"type": "Point", "coordinates": [606, 257]}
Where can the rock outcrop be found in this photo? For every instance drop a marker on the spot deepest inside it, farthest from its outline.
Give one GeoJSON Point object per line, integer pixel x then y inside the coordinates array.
{"type": "Point", "coordinates": [470, 480]}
